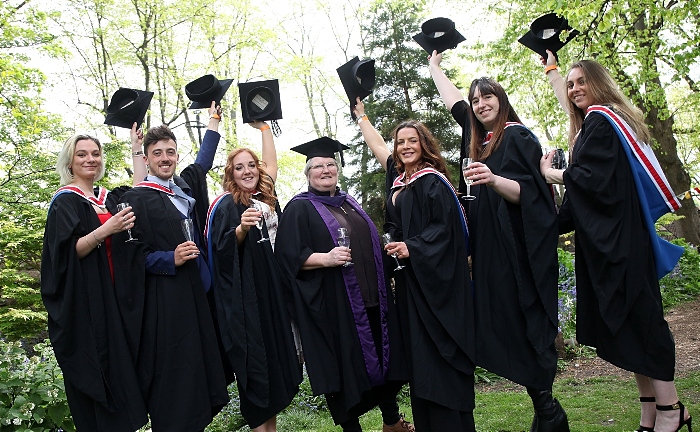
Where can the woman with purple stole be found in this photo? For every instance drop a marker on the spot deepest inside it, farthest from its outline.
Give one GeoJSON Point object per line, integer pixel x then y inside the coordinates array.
{"type": "Point", "coordinates": [330, 249]}
{"type": "Point", "coordinates": [434, 295]}
{"type": "Point", "coordinates": [615, 192]}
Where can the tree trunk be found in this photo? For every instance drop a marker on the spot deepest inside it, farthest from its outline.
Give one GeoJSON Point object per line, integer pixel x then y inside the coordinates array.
{"type": "Point", "coordinates": [662, 132]}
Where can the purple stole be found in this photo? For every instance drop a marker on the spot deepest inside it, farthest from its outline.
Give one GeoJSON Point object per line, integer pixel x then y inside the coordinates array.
{"type": "Point", "coordinates": [375, 371]}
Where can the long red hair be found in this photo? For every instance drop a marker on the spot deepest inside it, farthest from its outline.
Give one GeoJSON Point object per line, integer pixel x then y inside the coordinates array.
{"type": "Point", "coordinates": [265, 185]}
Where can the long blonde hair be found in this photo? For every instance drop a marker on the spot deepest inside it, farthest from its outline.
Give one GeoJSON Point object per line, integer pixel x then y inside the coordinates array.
{"type": "Point", "coordinates": [264, 186]}
{"type": "Point", "coordinates": [603, 89]}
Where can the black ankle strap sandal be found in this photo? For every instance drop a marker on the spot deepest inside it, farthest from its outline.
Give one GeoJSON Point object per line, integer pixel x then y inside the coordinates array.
{"type": "Point", "coordinates": [682, 421]}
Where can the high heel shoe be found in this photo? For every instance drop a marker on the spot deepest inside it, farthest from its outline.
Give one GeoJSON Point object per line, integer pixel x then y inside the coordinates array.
{"type": "Point", "coordinates": [681, 421]}
{"type": "Point", "coordinates": [644, 399]}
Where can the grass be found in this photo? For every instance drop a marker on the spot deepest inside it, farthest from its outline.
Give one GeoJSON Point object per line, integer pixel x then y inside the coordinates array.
{"type": "Point", "coordinates": [598, 404]}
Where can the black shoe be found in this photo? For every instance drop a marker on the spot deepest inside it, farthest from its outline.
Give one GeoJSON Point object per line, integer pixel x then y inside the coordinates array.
{"type": "Point", "coordinates": [557, 424]}
{"type": "Point", "coordinates": [681, 422]}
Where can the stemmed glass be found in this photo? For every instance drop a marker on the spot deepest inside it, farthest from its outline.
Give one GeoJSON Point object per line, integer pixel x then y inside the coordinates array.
{"type": "Point", "coordinates": [187, 229]}
{"type": "Point", "coordinates": [120, 207]}
{"type": "Point", "coordinates": [344, 241]}
{"type": "Point", "coordinates": [386, 237]}
{"type": "Point", "coordinates": [259, 223]}
{"type": "Point", "coordinates": [465, 163]}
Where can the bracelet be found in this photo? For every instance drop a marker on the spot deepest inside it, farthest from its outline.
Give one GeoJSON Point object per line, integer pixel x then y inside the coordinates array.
{"type": "Point", "coordinates": [265, 127]}
{"type": "Point", "coordinates": [362, 118]}
{"type": "Point", "coordinates": [550, 68]}
{"type": "Point", "coordinates": [215, 116]}
{"type": "Point", "coordinates": [99, 242]}
{"type": "Point", "coordinates": [137, 153]}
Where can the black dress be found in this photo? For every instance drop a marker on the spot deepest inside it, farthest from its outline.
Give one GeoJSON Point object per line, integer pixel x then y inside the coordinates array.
{"type": "Point", "coordinates": [352, 353]}
{"type": "Point", "coordinates": [85, 326]}
{"type": "Point", "coordinates": [514, 266]}
{"type": "Point", "coordinates": [434, 295]}
{"type": "Point", "coordinates": [252, 314]}
{"type": "Point", "coordinates": [619, 308]}
{"type": "Point", "coordinates": [168, 316]}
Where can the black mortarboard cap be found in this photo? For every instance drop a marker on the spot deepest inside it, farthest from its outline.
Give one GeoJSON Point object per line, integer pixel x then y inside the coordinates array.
{"type": "Point", "coordinates": [545, 34]}
{"type": "Point", "coordinates": [206, 89]}
{"type": "Point", "coordinates": [260, 100]}
{"type": "Point", "coordinates": [358, 78]}
{"type": "Point", "coordinates": [321, 147]}
{"type": "Point", "coordinates": [128, 106]}
{"type": "Point", "coordinates": [438, 34]}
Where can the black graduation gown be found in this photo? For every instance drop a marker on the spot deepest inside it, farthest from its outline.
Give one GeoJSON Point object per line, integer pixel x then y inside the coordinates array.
{"type": "Point", "coordinates": [460, 114]}
{"type": "Point", "coordinates": [85, 327]}
{"type": "Point", "coordinates": [179, 363]}
{"type": "Point", "coordinates": [514, 266]}
{"type": "Point", "coordinates": [618, 308]}
{"type": "Point", "coordinates": [332, 350]}
{"type": "Point", "coordinates": [434, 295]}
{"type": "Point", "coordinates": [255, 327]}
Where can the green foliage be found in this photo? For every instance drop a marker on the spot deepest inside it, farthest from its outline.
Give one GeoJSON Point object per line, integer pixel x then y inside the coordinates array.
{"type": "Point", "coordinates": [32, 394]}
{"type": "Point", "coordinates": [403, 90]}
{"type": "Point", "coordinates": [567, 294]}
{"type": "Point", "coordinates": [683, 283]}
{"type": "Point", "coordinates": [26, 168]}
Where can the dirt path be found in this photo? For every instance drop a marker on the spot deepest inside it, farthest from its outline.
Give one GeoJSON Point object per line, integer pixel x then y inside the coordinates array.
{"type": "Point", "coordinates": [685, 325]}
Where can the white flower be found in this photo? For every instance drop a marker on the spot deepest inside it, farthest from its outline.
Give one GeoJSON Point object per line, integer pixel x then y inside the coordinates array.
{"type": "Point", "coordinates": [16, 421]}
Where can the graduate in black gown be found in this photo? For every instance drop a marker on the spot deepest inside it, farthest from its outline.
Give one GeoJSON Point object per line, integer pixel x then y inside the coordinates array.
{"type": "Point", "coordinates": [166, 280]}
{"type": "Point", "coordinates": [514, 239]}
{"type": "Point", "coordinates": [345, 312]}
{"type": "Point", "coordinates": [77, 288]}
{"type": "Point", "coordinates": [612, 202]}
{"type": "Point", "coordinates": [249, 286]}
{"type": "Point", "coordinates": [434, 294]}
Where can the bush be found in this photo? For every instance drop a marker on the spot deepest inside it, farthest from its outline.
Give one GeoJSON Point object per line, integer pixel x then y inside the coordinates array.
{"type": "Point", "coordinates": [32, 395]}
{"type": "Point", "coordinates": [567, 294]}
{"type": "Point", "coordinates": [683, 283]}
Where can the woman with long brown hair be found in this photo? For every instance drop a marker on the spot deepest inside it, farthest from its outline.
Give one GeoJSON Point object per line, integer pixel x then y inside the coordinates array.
{"type": "Point", "coordinates": [248, 287]}
{"type": "Point", "coordinates": [615, 191]}
{"type": "Point", "coordinates": [434, 296]}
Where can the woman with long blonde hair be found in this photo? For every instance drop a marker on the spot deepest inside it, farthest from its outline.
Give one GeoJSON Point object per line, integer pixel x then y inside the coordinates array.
{"type": "Point", "coordinates": [612, 186]}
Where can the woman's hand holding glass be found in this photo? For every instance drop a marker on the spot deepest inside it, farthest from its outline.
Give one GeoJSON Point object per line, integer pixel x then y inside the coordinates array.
{"type": "Point", "coordinates": [123, 220]}
{"type": "Point", "coordinates": [479, 173]}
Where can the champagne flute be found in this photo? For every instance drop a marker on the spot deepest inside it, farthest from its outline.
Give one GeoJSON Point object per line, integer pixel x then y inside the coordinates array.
{"type": "Point", "coordinates": [259, 223]}
{"type": "Point", "coordinates": [465, 163]}
{"type": "Point", "coordinates": [386, 237]}
{"type": "Point", "coordinates": [120, 207]}
{"type": "Point", "coordinates": [187, 229]}
{"type": "Point", "coordinates": [344, 241]}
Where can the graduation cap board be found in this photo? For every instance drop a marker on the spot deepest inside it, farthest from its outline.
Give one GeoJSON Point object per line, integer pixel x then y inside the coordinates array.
{"type": "Point", "coordinates": [358, 78]}
{"type": "Point", "coordinates": [128, 106]}
{"type": "Point", "coordinates": [438, 34]}
{"type": "Point", "coordinates": [321, 147]}
{"type": "Point", "coordinates": [545, 34]}
{"type": "Point", "coordinates": [206, 89]}
{"type": "Point", "coordinates": [260, 100]}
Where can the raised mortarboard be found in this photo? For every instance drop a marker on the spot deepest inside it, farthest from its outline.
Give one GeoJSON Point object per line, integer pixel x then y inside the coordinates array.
{"type": "Point", "coordinates": [321, 147]}
{"type": "Point", "coordinates": [128, 106]}
{"type": "Point", "coordinates": [206, 89]}
{"type": "Point", "coordinates": [358, 78]}
{"type": "Point", "coordinates": [438, 34]}
{"type": "Point", "coordinates": [260, 100]}
{"type": "Point", "coordinates": [545, 34]}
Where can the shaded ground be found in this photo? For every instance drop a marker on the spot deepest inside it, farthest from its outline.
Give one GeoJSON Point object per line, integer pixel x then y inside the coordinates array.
{"type": "Point", "coordinates": [684, 321]}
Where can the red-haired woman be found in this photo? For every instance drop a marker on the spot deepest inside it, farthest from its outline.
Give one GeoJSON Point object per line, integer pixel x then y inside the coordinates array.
{"type": "Point", "coordinates": [248, 287]}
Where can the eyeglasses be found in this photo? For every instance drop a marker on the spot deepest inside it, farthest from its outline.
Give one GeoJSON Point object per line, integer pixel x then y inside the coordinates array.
{"type": "Point", "coordinates": [329, 166]}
